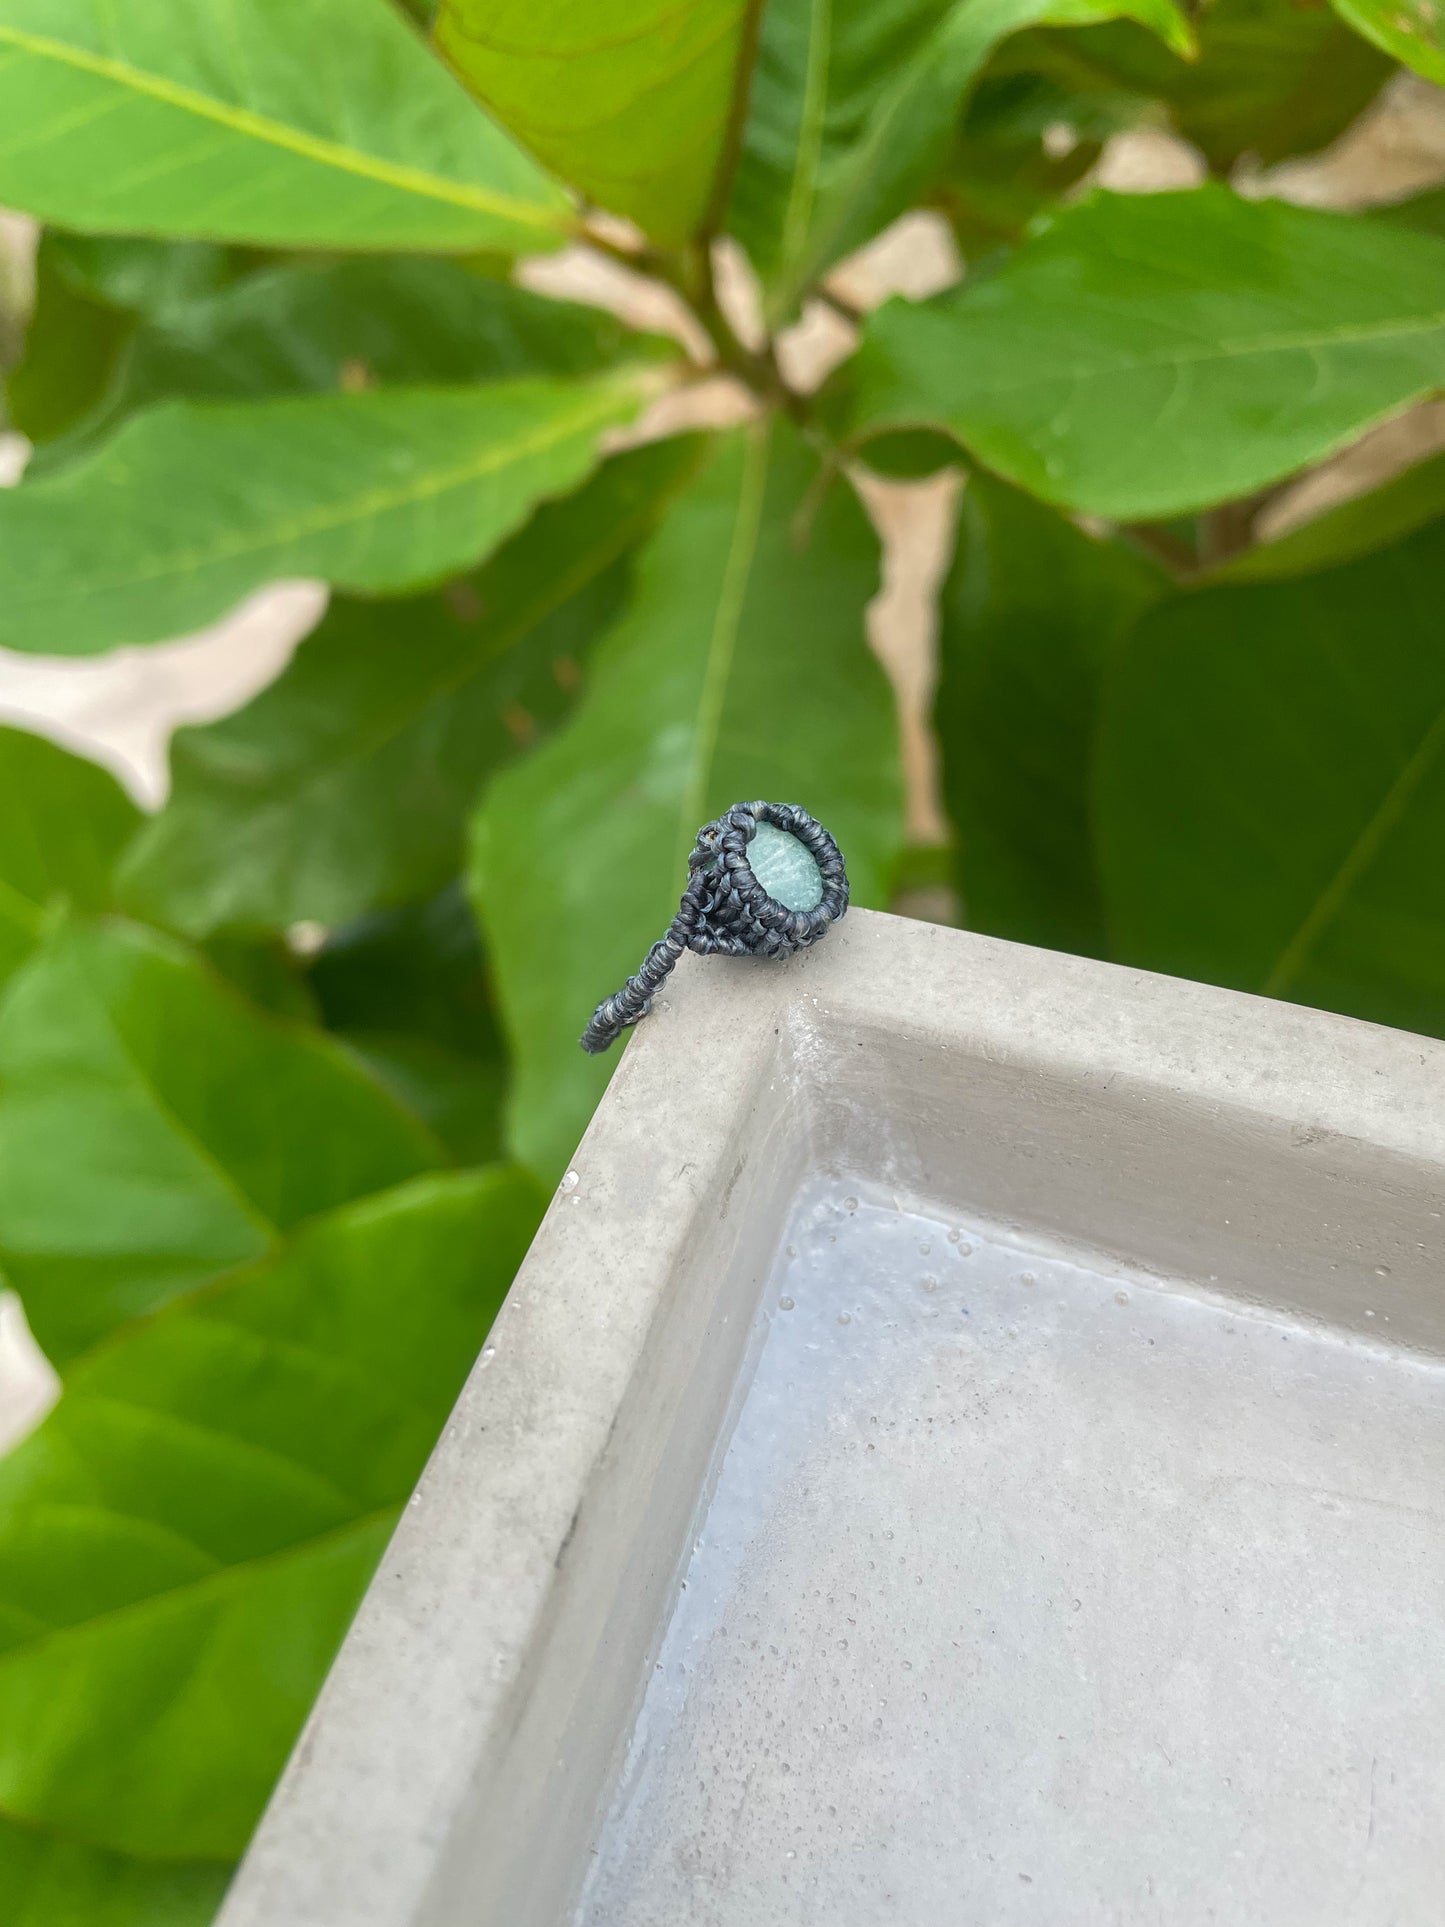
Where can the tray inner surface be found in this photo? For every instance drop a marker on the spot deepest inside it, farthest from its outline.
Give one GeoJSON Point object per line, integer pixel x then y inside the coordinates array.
{"type": "Point", "coordinates": [1033, 1590]}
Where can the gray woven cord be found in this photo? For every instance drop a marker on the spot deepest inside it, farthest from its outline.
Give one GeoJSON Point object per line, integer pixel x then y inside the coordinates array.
{"type": "Point", "coordinates": [725, 910]}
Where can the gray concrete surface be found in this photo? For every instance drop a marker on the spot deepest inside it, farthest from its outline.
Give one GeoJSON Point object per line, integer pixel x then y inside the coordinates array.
{"type": "Point", "coordinates": [1235, 1473]}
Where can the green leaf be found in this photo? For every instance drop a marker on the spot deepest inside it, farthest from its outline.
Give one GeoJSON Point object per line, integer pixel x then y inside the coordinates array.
{"type": "Point", "coordinates": [192, 506]}
{"type": "Point", "coordinates": [72, 346]}
{"type": "Point", "coordinates": [184, 1540]}
{"type": "Point", "coordinates": [418, 969]}
{"type": "Point", "coordinates": [49, 1881]}
{"type": "Point", "coordinates": [408, 990]}
{"type": "Point", "coordinates": [739, 671]}
{"type": "Point", "coordinates": [319, 327]}
{"type": "Point", "coordinates": [853, 107]}
{"type": "Point", "coordinates": [156, 1131]}
{"type": "Point", "coordinates": [1149, 354]}
{"type": "Point", "coordinates": [266, 972]}
{"type": "Point", "coordinates": [1273, 79]}
{"type": "Point", "coordinates": [1032, 614]}
{"type": "Point", "coordinates": [289, 123]}
{"type": "Point", "coordinates": [1000, 169]}
{"type": "Point", "coordinates": [1426, 212]}
{"type": "Point", "coordinates": [1355, 528]}
{"type": "Point", "coordinates": [346, 784]}
{"type": "Point", "coordinates": [63, 823]}
{"type": "Point", "coordinates": [91, 293]}
{"type": "Point", "coordinates": [1271, 788]}
{"type": "Point", "coordinates": [140, 276]}
{"type": "Point", "coordinates": [1409, 30]}
{"type": "Point", "coordinates": [632, 104]}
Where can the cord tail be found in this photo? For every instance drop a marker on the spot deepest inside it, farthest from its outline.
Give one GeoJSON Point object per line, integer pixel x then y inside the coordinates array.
{"type": "Point", "coordinates": [622, 1009]}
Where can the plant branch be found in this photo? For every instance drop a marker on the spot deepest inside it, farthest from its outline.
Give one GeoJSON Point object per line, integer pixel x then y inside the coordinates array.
{"type": "Point", "coordinates": [732, 141]}
{"type": "Point", "coordinates": [690, 276]}
{"type": "Point", "coordinates": [756, 368]}
{"type": "Point", "coordinates": [1228, 530]}
{"type": "Point", "coordinates": [855, 317]}
{"type": "Point", "coordinates": [1172, 550]}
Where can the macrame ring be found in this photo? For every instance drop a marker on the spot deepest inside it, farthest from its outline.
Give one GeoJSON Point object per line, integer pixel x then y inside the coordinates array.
{"type": "Point", "coordinates": [726, 911]}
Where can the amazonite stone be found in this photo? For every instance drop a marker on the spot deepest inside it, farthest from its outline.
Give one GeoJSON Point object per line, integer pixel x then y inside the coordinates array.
{"type": "Point", "coordinates": [785, 868]}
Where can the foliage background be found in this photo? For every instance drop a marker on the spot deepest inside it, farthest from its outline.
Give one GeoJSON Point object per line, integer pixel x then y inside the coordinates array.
{"type": "Point", "coordinates": [288, 1066]}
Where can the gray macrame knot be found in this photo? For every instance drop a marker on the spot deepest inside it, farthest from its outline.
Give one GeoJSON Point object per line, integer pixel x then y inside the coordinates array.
{"type": "Point", "coordinates": [725, 909]}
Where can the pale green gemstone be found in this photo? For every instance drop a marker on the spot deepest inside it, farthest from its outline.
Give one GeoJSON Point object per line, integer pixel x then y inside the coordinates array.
{"type": "Point", "coordinates": [786, 869]}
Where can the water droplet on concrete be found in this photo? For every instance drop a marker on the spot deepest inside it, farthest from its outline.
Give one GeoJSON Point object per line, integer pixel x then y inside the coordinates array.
{"type": "Point", "coordinates": [786, 1304]}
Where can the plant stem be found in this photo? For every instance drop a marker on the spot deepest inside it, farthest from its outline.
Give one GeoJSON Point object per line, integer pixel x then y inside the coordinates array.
{"type": "Point", "coordinates": [1175, 553]}
{"type": "Point", "coordinates": [732, 144]}
{"type": "Point", "coordinates": [1228, 530]}
{"type": "Point", "coordinates": [855, 317]}
{"type": "Point", "coordinates": [690, 276]}
{"type": "Point", "coordinates": [757, 368]}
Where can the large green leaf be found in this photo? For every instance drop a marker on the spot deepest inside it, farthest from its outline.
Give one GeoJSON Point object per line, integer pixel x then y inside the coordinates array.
{"type": "Point", "coordinates": [194, 505]}
{"type": "Point", "coordinates": [293, 123]}
{"type": "Point", "coordinates": [317, 327]}
{"type": "Point", "coordinates": [1271, 788]}
{"type": "Point", "coordinates": [852, 108]}
{"type": "Point", "coordinates": [1408, 30]}
{"type": "Point", "coordinates": [1150, 354]}
{"type": "Point", "coordinates": [1358, 527]}
{"type": "Point", "coordinates": [156, 1131]}
{"type": "Point", "coordinates": [1272, 79]}
{"type": "Point", "coordinates": [1000, 169]}
{"type": "Point", "coordinates": [346, 785]}
{"type": "Point", "coordinates": [632, 103]}
{"type": "Point", "coordinates": [739, 671]}
{"type": "Point", "coordinates": [47, 1880]}
{"type": "Point", "coordinates": [140, 275]}
{"type": "Point", "coordinates": [91, 291]}
{"type": "Point", "coordinates": [1031, 616]}
{"type": "Point", "coordinates": [408, 990]}
{"type": "Point", "coordinates": [1426, 212]}
{"type": "Point", "coordinates": [63, 823]}
{"type": "Point", "coordinates": [184, 1540]}
{"type": "Point", "coordinates": [72, 345]}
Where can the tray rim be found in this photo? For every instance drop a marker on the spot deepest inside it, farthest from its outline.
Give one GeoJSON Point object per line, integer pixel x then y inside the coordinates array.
{"type": "Point", "coordinates": [421, 1699]}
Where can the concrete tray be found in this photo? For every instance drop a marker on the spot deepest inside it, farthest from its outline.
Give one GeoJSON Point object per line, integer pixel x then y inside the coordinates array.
{"type": "Point", "coordinates": [967, 1446]}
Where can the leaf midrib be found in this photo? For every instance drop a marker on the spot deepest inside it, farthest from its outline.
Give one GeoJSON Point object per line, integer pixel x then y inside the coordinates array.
{"type": "Point", "coordinates": [328, 517]}
{"type": "Point", "coordinates": [187, 1424]}
{"type": "Point", "coordinates": [1356, 861]}
{"type": "Point", "coordinates": [293, 140]}
{"type": "Point", "coordinates": [58, 1837]}
{"type": "Point", "coordinates": [209, 1160]}
{"type": "Point", "coordinates": [803, 186]}
{"type": "Point", "coordinates": [722, 639]}
{"type": "Point", "coordinates": [1301, 341]}
{"type": "Point", "coordinates": [224, 1578]}
{"type": "Point", "coordinates": [316, 773]}
{"type": "Point", "coordinates": [21, 911]}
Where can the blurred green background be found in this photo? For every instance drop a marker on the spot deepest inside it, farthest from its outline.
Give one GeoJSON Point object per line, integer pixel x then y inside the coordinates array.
{"type": "Point", "coordinates": [1008, 428]}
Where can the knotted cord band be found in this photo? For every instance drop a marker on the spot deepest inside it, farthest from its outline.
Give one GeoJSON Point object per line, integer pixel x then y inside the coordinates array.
{"type": "Point", "coordinates": [725, 909]}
